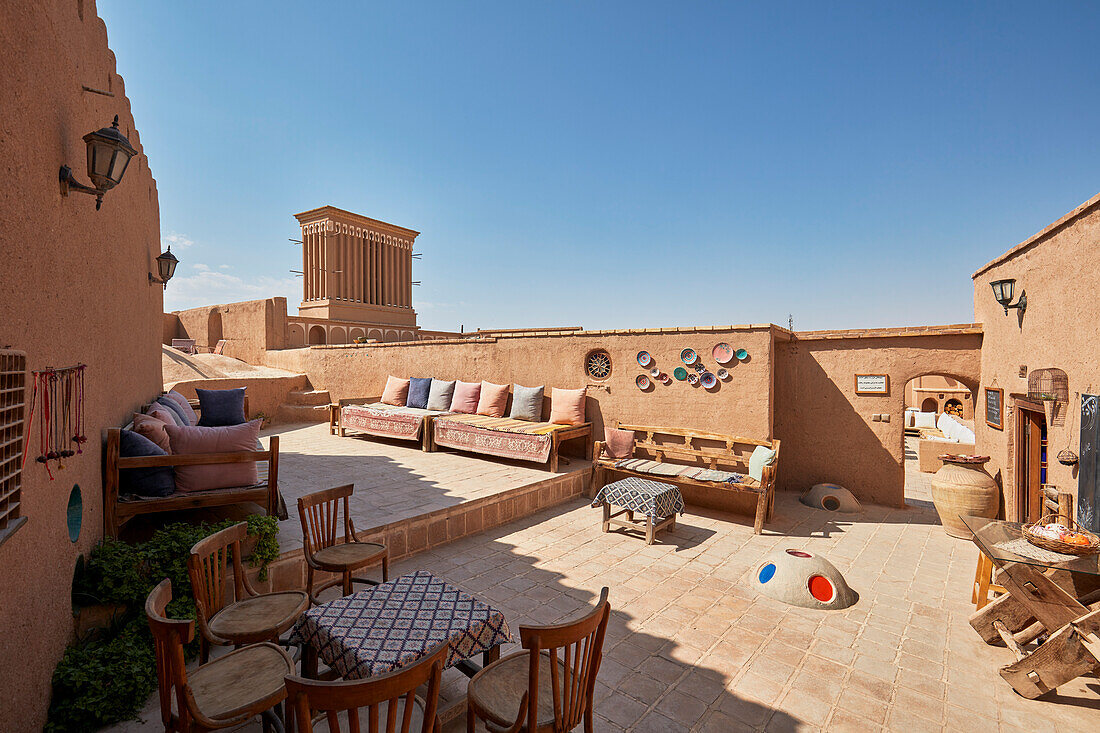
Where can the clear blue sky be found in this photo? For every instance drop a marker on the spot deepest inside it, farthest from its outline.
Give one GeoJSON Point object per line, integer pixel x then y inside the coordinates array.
{"type": "Point", "coordinates": [619, 164]}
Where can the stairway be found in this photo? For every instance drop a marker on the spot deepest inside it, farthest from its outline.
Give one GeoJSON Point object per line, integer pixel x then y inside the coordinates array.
{"type": "Point", "coordinates": [305, 406]}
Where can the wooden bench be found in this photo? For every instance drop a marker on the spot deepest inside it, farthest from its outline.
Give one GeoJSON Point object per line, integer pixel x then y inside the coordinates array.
{"type": "Point", "coordinates": [118, 510]}
{"type": "Point", "coordinates": [336, 424]}
{"type": "Point", "coordinates": [698, 449]}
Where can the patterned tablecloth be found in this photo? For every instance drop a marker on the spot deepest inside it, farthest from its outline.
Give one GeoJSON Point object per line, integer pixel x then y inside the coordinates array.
{"type": "Point", "coordinates": [651, 498]}
{"type": "Point", "coordinates": [393, 624]}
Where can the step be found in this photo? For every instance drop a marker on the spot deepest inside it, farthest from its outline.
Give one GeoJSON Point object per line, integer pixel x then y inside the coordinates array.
{"type": "Point", "coordinates": [312, 397]}
{"type": "Point", "coordinates": [288, 413]}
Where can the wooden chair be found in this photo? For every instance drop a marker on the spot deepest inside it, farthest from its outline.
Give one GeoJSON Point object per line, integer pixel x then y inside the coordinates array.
{"type": "Point", "coordinates": [221, 694]}
{"type": "Point", "coordinates": [320, 515]}
{"type": "Point", "coordinates": [501, 694]}
{"type": "Point", "coordinates": [386, 702]}
{"type": "Point", "coordinates": [250, 616]}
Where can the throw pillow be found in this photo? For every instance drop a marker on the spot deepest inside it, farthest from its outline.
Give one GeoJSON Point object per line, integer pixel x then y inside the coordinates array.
{"type": "Point", "coordinates": [154, 481]}
{"type": "Point", "coordinates": [526, 403]}
{"type": "Point", "coordinates": [493, 399]}
{"type": "Point", "coordinates": [466, 397]}
{"type": "Point", "coordinates": [925, 420]}
{"type": "Point", "coordinates": [419, 389]}
{"type": "Point", "coordinates": [618, 443]}
{"type": "Point", "coordinates": [567, 406]}
{"type": "Point", "coordinates": [151, 426]}
{"type": "Point", "coordinates": [220, 439]}
{"type": "Point", "coordinates": [761, 456]}
{"type": "Point", "coordinates": [218, 407]}
{"type": "Point", "coordinates": [168, 405]}
{"type": "Point", "coordinates": [396, 391]}
{"type": "Point", "coordinates": [440, 394]}
{"type": "Point", "coordinates": [185, 406]}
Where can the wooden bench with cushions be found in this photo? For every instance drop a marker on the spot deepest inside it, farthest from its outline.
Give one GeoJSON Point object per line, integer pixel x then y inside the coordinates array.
{"type": "Point", "coordinates": [388, 426]}
{"type": "Point", "coordinates": [696, 461]}
{"type": "Point", "coordinates": [119, 509]}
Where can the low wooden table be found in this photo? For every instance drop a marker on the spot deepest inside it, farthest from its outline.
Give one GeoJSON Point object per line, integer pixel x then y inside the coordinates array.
{"type": "Point", "coordinates": [658, 502]}
{"type": "Point", "coordinates": [1046, 592]}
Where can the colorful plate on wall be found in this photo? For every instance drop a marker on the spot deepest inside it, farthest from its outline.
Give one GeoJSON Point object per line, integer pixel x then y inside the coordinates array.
{"type": "Point", "coordinates": [644, 358]}
{"type": "Point", "coordinates": [654, 372]}
{"type": "Point", "coordinates": [708, 380]}
{"type": "Point", "coordinates": [680, 373]}
{"type": "Point", "coordinates": [742, 354]}
{"type": "Point", "coordinates": [722, 353]}
{"type": "Point", "coordinates": [688, 356]}
{"type": "Point", "coordinates": [723, 374]}
{"type": "Point", "coordinates": [700, 366]}
{"type": "Point", "coordinates": [665, 379]}
{"type": "Point", "coordinates": [693, 379]}
{"type": "Point", "coordinates": [642, 381]}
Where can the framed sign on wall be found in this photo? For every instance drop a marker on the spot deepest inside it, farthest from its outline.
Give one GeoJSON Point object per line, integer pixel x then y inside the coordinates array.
{"type": "Point", "coordinates": [995, 407]}
{"type": "Point", "coordinates": [878, 384]}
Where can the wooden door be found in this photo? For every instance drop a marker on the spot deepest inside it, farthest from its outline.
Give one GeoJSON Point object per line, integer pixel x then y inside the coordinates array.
{"type": "Point", "coordinates": [1029, 445]}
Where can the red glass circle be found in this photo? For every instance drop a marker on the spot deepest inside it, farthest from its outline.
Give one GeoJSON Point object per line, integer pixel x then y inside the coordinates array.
{"type": "Point", "coordinates": [821, 588]}
{"type": "Point", "coordinates": [799, 553]}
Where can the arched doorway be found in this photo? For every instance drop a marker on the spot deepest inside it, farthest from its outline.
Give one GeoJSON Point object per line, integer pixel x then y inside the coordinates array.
{"type": "Point", "coordinates": [337, 336]}
{"type": "Point", "coordinates": [316, 336]}
{"type": "Point", "coordinates": [374, 334]}
{"type": "Point", "coordinates": [355, 333]}
{"type": "Point", "coordinates": [295, 336]}
{"type": "Point", "coordinates": [938, 418]}
{"type": "Point", "coordinates": [930, 404]}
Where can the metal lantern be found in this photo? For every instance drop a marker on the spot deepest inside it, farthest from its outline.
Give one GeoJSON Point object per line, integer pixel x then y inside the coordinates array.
{"type": "Point", "coordinates": [1003, 291]}
{"type": "Point", "coordinates": [109, 153]}
{"type": "Point", "coordinates": [166, 267]}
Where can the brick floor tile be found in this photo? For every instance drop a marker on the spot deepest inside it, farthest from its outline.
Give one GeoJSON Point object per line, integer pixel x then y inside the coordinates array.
{"type": "Point", "coordinates": [621, 710]}
{"type": "Point", "coordinates": [642, 687]}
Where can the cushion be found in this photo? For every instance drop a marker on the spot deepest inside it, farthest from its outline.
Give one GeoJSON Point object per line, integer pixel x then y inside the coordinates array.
{"type": "Point", "coordinates": [192, 418]}
{"type": "Point", "coordinates": [618, 443]}
{"type": "Point", "coordinates": [440, 394]}
{"type": "Point", "coordinates": [155, 481]}
{"type": "Point", "coordinates": [947, 425]}
{"type": "Point", "coordinates": [466, 397]}
{"type": "Point", "coordinates": [526, 403]}
{"type": "Point", "coordinates": [419, 388]}
{"type": "Point", "coordinates": [215, 439]}
{"type": "Point", "coordinates": [762, 456]}
{"type": "Point", "coordinates": [492, 400]}
{"type": "Point", "coordinates": [396, 391]}
{"type": "Point", "coordinates": [169, 406]}
{"type": "Point", "coordinates": [221, 407]}
{"type": "Point", "coordinates": [567, 406]}
{"type": "Point", "coordinates": [151, 426]}
{"type": "Point", "coordinates": [925, 420]}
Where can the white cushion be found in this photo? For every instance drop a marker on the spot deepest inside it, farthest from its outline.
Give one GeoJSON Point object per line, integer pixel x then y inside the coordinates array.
{"type": "Point", "coordinates": [925, 420]}
{"type": "Point", "coordinates": [966, 435]}
{"type": "Point", "coordinates": [761, 456]}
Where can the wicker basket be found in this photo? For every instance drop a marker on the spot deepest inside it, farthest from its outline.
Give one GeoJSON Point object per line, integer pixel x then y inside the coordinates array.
{"type": "Point", "coordinates": [1057, 545]}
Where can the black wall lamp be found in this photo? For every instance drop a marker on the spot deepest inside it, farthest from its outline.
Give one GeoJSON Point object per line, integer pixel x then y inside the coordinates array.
{"type": "Point", "coordinates": [166, 267]}
{"type": "Point", "coordinates": [1002, 291]}
{"type": "Point", "coordinates": [109, 153]}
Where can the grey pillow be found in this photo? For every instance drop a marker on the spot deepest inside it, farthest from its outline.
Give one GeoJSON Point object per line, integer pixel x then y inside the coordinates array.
{"type": "Point", "coordinates": [174, 411]}
{"type": "Point", "coordinates": [440, 394]}
{"type": "Point", "coordinates": [526, 403]}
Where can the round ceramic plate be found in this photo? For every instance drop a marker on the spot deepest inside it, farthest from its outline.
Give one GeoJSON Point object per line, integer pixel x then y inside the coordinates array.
{"type": "Point", "coordinates": [642, 381]}
{"type": "Point", "coordinates": [722, 353]}
{"type": "Point", "coordinates": [693, 379]}
{"type": "Point", "coordinates": [680, 373]}
{"type": "Point", "coordinates": [654, 372]}
{"type": "Point", "coordinates": [644, 358]}
{"type": "Point", "coordinates": [688, 356]}
{"type": "Point", "coordinates": [665, 379]}
{"type": "Point", "coordinates": [700, 367]}
{"type": "Point", "coordinates": [708, 380]}
{"type": "Point", "coordinates": [742, 354]}
{"type": "Point", "coordinates": [723, 374]}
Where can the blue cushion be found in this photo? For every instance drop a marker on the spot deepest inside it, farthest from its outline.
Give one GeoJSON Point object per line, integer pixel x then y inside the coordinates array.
{"type": "Point", "coordinates": [174, 410]}
{"type": "Point", "coordinates": [418, 392]}
{"type": "Point", "coordinates": [155, 481]}
{"type": "Point", "coordinates": [219, 407]}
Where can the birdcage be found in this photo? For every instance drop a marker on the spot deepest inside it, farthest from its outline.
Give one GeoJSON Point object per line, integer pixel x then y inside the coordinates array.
{"type": "Point", "coordinates": [1051, 386]}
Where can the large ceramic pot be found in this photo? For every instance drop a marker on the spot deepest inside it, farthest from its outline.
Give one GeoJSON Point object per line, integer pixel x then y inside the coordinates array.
{"type": "Point", "coordinates": [961, 487]}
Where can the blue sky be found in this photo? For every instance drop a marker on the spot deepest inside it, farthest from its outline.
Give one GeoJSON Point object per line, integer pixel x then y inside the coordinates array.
{"type": "Point", "coordinates": [619, 164]}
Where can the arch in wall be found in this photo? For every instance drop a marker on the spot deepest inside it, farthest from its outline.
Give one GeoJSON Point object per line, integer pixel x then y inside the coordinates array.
{"type": "Point", "coordinates": [930, 404]}
{"type": "Point", "coordinates": [295, 335]}
{"type": "Point", "coordinates": [391, 336]}
{"type": "Point", "coordinates": [408, 336]}
{"type": "Point", "coordinates": [355, 333]}
{"type": "Point", "coordinates": [317, 335]}
{"type": "Point", "coordinates": [337, 335]}
{"type": "Point", "coordinates": [952, 404]}
{"type": "Point", "coordinates": [214, 327]}
{"type": "Point", "coordinates": [374, 334]}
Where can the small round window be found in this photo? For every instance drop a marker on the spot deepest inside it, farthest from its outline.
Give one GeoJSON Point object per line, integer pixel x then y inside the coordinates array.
{"type": "Point", "coordinates": [598, 364]}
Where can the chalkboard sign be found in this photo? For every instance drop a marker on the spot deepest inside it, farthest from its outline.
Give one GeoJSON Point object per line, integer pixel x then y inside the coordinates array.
{"type": "Point", "coordinates": [1088, 478]}
{"type": "Point", "coordinates": [995, 408]}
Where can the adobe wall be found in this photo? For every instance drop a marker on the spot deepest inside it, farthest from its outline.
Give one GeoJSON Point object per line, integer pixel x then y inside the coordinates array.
{"type": "Point", "coordinates": [265, 394]}
{"type": "Point", "coordinates": [827, 431]}
{"type": "Point", "coordinates": [172, 328]}
{"type": "Point", "coordinates": [249, 328]}
{"type": "Point", "coordinates": [75, 289]}
{"type": "Point", "coordinates": [1060, 328]}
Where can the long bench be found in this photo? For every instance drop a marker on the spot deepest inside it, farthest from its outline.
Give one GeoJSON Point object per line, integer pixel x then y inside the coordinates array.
{"type": "Point", "coordinates": [370, 416]}
{"type": "Point", "coordinates": [700, 463]}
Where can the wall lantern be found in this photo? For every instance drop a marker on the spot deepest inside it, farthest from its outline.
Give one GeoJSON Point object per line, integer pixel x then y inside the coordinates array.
{"type": "Point", "coordinates": [1002, 291]}
{"type": "Point", "coordinates": [109, 153]}
{"type": "Point", "coordinates": [166, 267]}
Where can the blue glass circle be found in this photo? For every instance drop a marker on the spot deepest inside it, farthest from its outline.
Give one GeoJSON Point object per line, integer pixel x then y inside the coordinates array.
{"type": "Point", "coordinates": [74, 513]}
{"type": "Point", "coordinates": [767, 572]}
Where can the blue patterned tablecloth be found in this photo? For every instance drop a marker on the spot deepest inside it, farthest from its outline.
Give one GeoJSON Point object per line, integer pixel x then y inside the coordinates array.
{"type": "Point", "coordinates": [393, 624]}
{"type": "Point", "coordinates": [652, 498]}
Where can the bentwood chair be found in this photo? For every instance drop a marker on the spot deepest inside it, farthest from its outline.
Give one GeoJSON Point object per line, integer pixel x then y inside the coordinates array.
{"type": "Point", "coordinates": [248, 616]}
{"type": "Point", "coordinates": [386, 702]}
{"type": "Point", "coordinates": [224, 693]}
{"type": "Point", "coordinates": [320, 515]}
{"type": "Point", "coordinates": [561, 686]}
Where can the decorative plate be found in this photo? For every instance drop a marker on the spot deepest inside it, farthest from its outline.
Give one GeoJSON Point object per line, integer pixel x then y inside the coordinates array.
{"type": "Point", "coordinates": [742, 354]}
{"type": "Point", "coordinates": [708, 380]}
{"type": "Point", "coordinates": [665, 379]}
{"type": "Point", "coordinates": [654, 372]}
{"type": "Point", "coordinates": [700, 366]}
{"type": "Point", "coordinates": [693, 379]}
{"type": "Point", "coordinates": [680, 373]}
{"type": "Point", "coordinates": [688, 356]}
{"type": "Point", "coordinates": [642, 381]}
{"type": "Point", "coordinates": [644, 358]}
{"type": "Point", "coordinates": [723, 374]}
{"type": "Point", "coordinates": [722, 353]}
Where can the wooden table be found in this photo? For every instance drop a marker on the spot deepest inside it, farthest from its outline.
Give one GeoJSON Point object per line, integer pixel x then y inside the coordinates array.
{"type": "Point", "coordinates": [1046, 593]}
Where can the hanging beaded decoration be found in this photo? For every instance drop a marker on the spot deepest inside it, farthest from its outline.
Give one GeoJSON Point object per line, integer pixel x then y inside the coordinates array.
{"type": "Point", "coordinates": [59, 396]}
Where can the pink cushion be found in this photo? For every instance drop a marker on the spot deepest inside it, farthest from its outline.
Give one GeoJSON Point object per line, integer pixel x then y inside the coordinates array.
{"type": "Point", "coordinates": [493, 399]}
{"type": "Point", "coordinates": [223, 439]}
{"type": "Point", "coordinates": [618, 443]}
{"type": "Point", "coordinates": [567, 406]}
{"type": "Point", "coordinates": [396, 391]}
{"type": "Point", "coordinates": [152, 426]}
{"type": "Point", "coordinates": [180, 400]}
{"type": "Point", "coordinates": [466, 397]}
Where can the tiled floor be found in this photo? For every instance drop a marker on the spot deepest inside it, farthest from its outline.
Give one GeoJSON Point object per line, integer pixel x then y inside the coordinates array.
{"type": "Point", "coordinates": [918, 486]}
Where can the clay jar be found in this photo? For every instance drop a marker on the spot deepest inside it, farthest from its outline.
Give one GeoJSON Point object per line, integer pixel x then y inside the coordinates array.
{"type": "Point", "coordinates": [964, 487]}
